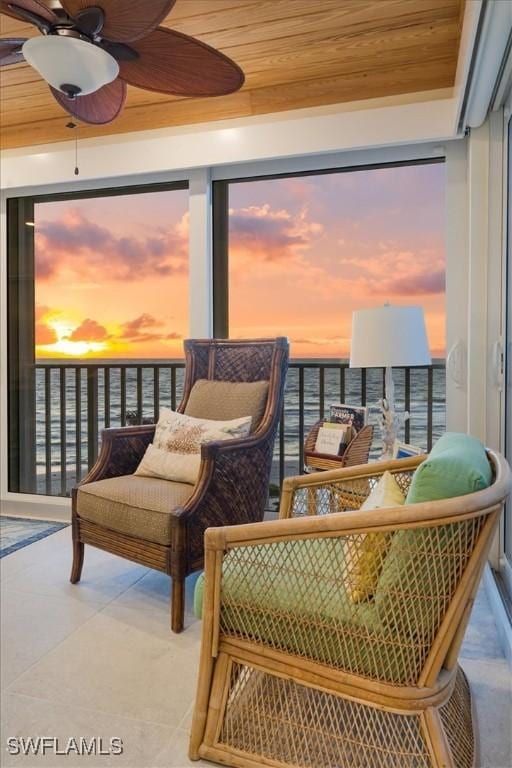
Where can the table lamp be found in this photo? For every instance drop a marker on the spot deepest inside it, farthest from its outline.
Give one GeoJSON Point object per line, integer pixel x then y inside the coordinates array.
{"type": "Point", "coordinates": [384, 337]}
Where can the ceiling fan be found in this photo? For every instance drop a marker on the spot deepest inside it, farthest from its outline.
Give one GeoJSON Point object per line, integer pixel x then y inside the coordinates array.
{"type": "Point", "coordinates": [91, 49]}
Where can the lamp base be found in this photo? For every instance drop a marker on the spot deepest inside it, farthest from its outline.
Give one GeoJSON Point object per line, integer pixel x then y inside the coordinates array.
{"type": "Point", "coordinates": [391, 421]}
{"type": "Point", "coordinates": [388, 428]}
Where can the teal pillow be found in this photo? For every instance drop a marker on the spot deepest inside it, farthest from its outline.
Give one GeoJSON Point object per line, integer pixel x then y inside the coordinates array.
{"type": "Point", "coordinates": [198, 596]}
{"type": "Point", "coordinates": [457, 465]}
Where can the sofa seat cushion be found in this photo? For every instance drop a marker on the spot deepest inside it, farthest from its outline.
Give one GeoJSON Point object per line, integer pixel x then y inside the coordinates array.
{"type": "Point", "coordinates": [228, 400]}
{"type": "Point", "coordinates": [137, 506]}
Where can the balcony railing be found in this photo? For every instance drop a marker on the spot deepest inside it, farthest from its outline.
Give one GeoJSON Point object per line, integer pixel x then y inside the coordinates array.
{"type": "Point", "coordinates": [76, 400]}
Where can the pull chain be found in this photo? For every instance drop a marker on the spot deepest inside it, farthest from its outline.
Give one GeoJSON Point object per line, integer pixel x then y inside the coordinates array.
{"type": "Point", "coordinates": [75, 126]}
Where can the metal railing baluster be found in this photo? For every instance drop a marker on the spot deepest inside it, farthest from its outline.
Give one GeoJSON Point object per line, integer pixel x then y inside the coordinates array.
{"type": "Point", "coordinates": [62, 431]}
{"type": "Point", "coordinates": [78, 424]}
{"type": "Point", "coordinates": [139, 393]}
{"type": "Point", "coordinates": [122, 394]}
{"type": "Point", "coordinates": [281, 446]}
{"type": "Point", "coordinates": [321, 394]}
{"type": "Point", "coordinates": [407, 404]}
{"type": "Point", "coordinates": [106, 395]}
{"type": "Point", "coordinates": [173, 388]}
{"type": "Point", "coordinates": [301, 419]}
{"type": "Point", "coordinates": [156, 393]}
{"type": "Point", "coordinates": [430, 407]}
{"type": "Point", "coordinates": [92, 415]}
{"type": "Point", "coordinates": [48, 430]}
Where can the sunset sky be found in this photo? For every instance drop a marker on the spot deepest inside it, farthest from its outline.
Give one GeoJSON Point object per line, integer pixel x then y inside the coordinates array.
{"type": "Point", "coordinates": [112, 276]}
{"type": "Point", "coordinates": [112, 273]}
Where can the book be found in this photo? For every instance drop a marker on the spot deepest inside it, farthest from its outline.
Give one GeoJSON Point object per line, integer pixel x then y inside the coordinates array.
{"type": "Point", "coordinates": [354, 415]}
{"type": "Point", "coordinates": [405, 451]}
{"type": "Point", "coordinates": [329, 441]}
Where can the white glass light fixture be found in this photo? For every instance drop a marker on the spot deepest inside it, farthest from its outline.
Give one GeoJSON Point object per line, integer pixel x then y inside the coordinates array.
{"type": "Point", "coordinates": [68, 63]}
{"type": "Point", "coordinates": [381, 338]}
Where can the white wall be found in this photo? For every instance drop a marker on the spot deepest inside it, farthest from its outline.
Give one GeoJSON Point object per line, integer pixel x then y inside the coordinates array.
{"type": "Point", "coordinates": [129, 158]}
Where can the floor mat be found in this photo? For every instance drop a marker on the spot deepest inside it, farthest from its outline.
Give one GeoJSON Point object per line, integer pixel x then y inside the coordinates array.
{"type": "Point", "coordinates": [18, 532]}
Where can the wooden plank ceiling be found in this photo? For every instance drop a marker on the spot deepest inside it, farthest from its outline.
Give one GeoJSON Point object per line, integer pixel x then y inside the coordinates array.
{"type": "Point", "coordinates": [295, 54]}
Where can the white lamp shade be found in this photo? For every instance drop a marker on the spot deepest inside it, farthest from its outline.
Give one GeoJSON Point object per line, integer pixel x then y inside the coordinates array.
{"type": "Point", "coordinates": [64, 60]}
{"type": "Point", "coordinates": [388, 336]}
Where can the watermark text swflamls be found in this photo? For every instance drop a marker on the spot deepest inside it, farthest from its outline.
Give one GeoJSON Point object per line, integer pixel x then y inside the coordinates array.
{"type": "Point", "coordinates": [42, 745]}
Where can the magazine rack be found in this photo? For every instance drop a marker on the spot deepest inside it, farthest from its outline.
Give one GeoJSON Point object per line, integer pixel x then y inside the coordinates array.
{"type": "Point", "coordinates": [356, 452]}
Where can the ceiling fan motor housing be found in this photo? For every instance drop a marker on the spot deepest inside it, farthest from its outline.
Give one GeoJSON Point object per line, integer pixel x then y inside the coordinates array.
{"type": "Point", "coordinates": [71, 91]}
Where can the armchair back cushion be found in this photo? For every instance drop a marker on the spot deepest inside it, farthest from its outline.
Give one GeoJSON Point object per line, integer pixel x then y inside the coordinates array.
{"type": "Point", "coordinates": [457, 465]}
{"type": "Point", "coordinates": [225, 400]}
{"type": "Point", "coordinates": [424, 565]}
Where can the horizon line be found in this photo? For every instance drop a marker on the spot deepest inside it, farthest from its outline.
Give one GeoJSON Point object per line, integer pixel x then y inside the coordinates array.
{"type": "Point", "coordinates": [148, 361]}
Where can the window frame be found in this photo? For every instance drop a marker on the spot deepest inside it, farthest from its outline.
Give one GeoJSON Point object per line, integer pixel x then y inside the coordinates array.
{"type": "Point", "coordinates": [503, 565]}
{"type": "Point", "coordinates": [21, 451]}
{"type": "Point", "coordinates": [220, 228]}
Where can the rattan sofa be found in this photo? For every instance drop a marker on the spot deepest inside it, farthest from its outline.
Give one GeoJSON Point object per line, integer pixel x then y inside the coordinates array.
{"type": "Point", "coordinates": [293, 673]}
{"type": "Point", "coordinates": [167, 520]}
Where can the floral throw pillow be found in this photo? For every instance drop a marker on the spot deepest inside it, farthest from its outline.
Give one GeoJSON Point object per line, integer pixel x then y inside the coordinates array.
{"type": "Point", "coordinates": [175, 453]}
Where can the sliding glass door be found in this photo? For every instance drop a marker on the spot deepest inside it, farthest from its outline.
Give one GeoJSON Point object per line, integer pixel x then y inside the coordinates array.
{"type": "Point", "coordinates": [98, 310]}
{"type": "Point", "coordinates": [296, 254]}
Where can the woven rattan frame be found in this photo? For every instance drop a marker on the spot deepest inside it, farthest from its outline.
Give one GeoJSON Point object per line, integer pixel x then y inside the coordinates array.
{"type": "Point", "coordinates": [356, 452]}
{"type": "Point", "coordinates": [409, 706]}
{"type": "Point", "coordinates": [233, 481]}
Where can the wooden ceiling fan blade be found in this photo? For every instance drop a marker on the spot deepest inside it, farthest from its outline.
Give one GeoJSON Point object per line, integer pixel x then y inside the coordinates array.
{"type": "Point", "coordinates": [98, 108]}
{"type": "Point", "coordinates": [171, 62]}
{"type": "Point", "coordinates": [10, 51]}
{"type": "Point", "coordinates": [125, 20]}
{"type": "Point", "coordinates": [28, 10]}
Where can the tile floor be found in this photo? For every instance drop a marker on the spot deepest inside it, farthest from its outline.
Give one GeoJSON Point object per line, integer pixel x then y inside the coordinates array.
{"type": "Point", "coordinates": [98, 659]}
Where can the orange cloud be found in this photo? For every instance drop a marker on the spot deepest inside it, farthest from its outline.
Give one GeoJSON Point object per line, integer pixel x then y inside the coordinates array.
{"type": "Point", "coordinates": [44, 334]}
{"type": "Point", "coordinates": [135, 330]}
{"type": "Point", "coordinates": [89, 330]}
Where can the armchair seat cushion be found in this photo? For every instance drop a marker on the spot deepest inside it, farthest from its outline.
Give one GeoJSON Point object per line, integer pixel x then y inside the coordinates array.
{"type": "Point", "coordinates": [137, 506]}
{"type": "Point", "coordinates": [296, 597]}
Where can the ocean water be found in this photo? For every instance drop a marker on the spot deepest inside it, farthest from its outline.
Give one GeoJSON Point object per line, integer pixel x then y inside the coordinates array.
{"type": "Point", "coordinates": [68, 458]}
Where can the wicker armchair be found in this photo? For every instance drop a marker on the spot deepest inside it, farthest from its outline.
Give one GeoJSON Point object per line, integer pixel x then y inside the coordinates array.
{"type": "Point", "coordinates": [356, 452]}
{"type": "Point", "coordinates": [232, 486]}
{"type": "Point", "coordinates": [293, 672]}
